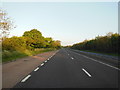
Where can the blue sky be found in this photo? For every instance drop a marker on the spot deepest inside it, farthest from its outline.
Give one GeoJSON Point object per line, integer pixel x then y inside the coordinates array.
{"type": "Point", "coordinates": [69, 22]}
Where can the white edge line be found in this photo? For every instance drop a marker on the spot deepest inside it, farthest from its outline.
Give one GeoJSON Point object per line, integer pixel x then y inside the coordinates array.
{"type": "Point", "coordinates": [86, 72]}
{"type": "Point", "coordinates": [36, 69]}
{"type": "Point", "coordinates": [99, 61]}
{"type": "Point", "coordinates": [103, 63]}
{"type": "Point", "coordinates": [26, 78]}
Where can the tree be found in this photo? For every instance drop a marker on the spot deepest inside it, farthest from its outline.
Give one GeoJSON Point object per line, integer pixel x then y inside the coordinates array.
{"type": "Point", "coordinates": [14, 43]}
{"type": "Point", "coordinates": [36, 36]}
{"type": "Point", "coordinates": [56, 44]}
{"type": "Point", "coordinates": [109, 34]}
{"type": "Point", "coordinates": [6, 24]}
{"type": "Point", "coordinates": [109, 43]}
{"type": "Point", "coordinates": [48, 41]}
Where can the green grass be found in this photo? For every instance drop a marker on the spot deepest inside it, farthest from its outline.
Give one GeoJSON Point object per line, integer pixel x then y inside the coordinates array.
{"type": "Point", "coordinates": [112, 54]}
{"type": "Point", "coordinates": [42, 50]}
{"type": "Point", "coordinates": [13, 55]}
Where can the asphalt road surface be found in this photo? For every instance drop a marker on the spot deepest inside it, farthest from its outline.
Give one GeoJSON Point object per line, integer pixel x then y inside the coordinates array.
{"type": "Point", "coordinates": [68, 69]}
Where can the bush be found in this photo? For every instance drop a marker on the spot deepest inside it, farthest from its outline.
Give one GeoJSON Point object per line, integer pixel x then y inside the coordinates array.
{"type": "Point", "coordinates": [109, 44]}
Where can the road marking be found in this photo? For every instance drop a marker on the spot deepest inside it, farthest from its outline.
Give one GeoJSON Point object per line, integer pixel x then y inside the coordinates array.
{"type": "Point", "coordinates": [42, 64]}
{"type": "Point", "coordinates": [86, 72]}
{"type": "Point", "coordinates": [52, 55]}
{"type": "Point", "coordinates": [46, 61]}
{"type": "Point", "coordinates": [26, 78]}
{"type": "Point", "coordinates": [72, 58]}
{"type": "Point", "coordinates": [102, 63]}
{"type": "Point", "coordinates": [68, 54]}
{"type": "Point", "coordinates": [98, 61]}
{"type": "Point", "coordinates": [36, 69]}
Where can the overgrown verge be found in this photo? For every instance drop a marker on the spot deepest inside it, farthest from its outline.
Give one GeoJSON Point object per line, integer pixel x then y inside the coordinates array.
{"type": "Point", "coordinates": [30, 43]}
{"type": "Point", "coordinates": [13, 55]}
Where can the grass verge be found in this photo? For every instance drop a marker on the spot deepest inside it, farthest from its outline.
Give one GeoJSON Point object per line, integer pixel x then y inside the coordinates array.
{"type": "Point", "coordinates": [13, 55]}
{"type": "Point", "coordinates": [42, 50]}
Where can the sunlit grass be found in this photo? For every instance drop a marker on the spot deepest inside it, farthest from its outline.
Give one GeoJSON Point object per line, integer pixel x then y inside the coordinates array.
{"type": "Point", "coordinates": [37, 51]}
{"type": "Point", "coordinates": [13, 55]}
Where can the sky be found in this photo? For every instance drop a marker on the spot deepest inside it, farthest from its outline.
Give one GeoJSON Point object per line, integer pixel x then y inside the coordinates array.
{"type": "Point", "coordinates": [69, 22]}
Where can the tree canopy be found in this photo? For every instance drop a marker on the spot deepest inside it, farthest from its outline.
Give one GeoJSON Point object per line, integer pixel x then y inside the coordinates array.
{"type": "Point", "coordinates": [6, 24]}
{"type": "Point", "coordinates": [30, 40]}
{"type": "Point", "coordinates": [109, 43]}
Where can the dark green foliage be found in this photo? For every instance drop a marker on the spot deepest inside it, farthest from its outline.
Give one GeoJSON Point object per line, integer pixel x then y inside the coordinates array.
{"type": "Point", "coordinates": [30, 40]}
{"type": "Point", "coordinates": [109, 44]}
{"type": "Point", "coordinates": [28, 43]}
{"type": "Point", "coordinates": [34, 34]}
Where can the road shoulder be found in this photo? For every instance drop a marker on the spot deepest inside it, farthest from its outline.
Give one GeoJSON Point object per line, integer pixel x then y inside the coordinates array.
{"type": "Point", "coordinates": [15, 71]}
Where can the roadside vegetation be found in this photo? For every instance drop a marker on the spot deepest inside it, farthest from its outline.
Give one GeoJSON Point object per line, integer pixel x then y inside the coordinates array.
{"type": "Point", "coordinates": [30, 43]}
{"type": "Point", "coordinates": [108, 44]}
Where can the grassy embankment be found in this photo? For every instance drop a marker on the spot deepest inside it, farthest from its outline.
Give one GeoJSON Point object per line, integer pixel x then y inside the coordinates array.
{"type": "Point", "coordinates": [13, 55]}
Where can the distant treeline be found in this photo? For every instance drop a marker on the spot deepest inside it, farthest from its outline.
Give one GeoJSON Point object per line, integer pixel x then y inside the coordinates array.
{"type": "Point", "coordinates": [109, 43]}
{"type": "Point", "coordinates": [29, 41]}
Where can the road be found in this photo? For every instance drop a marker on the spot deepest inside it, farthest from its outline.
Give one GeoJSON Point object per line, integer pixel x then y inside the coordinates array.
{"type": "Point", "coordinates": [68, 69]}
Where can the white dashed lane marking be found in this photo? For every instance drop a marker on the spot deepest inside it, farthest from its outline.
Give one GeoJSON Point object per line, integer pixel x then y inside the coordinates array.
{"type": "Point", "coordinates": [36, 69]}
{"type": "Point", "coordinates": [72, 58]}
{"type": "Point", "coordinates": [50, 56]}
{"type": "Point", "coordinates": [98, 61]}
{"type": "Point", "coordinates": [26, 78]}
{"type": "Point", "coordinates": [86, 72]}
{"type": "Point", "coordinates": [46, 61]}
{"type": "Point", "coordinates": [42, 64]}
